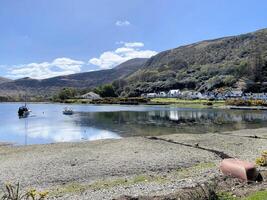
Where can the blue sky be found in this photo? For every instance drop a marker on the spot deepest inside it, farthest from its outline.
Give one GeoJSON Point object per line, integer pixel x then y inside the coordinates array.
{"type": "Point", "coordinates": [44, 38]}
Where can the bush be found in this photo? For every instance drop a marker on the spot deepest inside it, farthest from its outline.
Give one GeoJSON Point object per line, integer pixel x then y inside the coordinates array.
{"type": "Point", "coordinates": [106, 91]}
{"type": "Point", "coordinates": [13, 192]}
{"type": "Point", "coordinates": [237, 102]}
{"type": "Point", "coordinates": [66, 93]}
{"type": "Point", "coordinates": [208, 103]}
{"type": "Point", "coordinates": [262, 161]}
{"type": "Point", "coordinates": [240, 102]}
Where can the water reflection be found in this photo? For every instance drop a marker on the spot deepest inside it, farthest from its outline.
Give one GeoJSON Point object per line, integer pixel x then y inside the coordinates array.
{"type": "Point", "coordinates": [37, 132]}
{"type": "Point", "coordinates": [48, 125]}
{"type": "Point", "coordinates": [168, 121]}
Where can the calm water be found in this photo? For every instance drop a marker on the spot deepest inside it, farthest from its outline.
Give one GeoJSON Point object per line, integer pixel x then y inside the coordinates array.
{"type": "Point", "coordinates": [47, 124]}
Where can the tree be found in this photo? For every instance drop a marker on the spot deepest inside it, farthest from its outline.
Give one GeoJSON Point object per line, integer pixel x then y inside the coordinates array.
{"type": "Point", "coordinates": [256, 67]}
{"type": "Point", "coordinates": [67, 93]}
{"type": "Point", "coordinates": [118, 86]}
{"type": "Point", "coordinates": [106, 91]}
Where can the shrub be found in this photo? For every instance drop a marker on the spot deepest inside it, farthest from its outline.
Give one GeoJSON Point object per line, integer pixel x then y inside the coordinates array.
{"type": "Point", "coordinates": [13, 192]}
{"type": "Point", "coordinates": [106, 91]}
{"type": "Point", "coordinates": [208, 103]}
{"type": "Point", "coordinates": [237, 102]}
{"type": "Point", "coordinates": [262, 161]}
{"type": "Point", "coordinates": [65, 93]}
{"type": "Point", "coordinates": [241, 102]}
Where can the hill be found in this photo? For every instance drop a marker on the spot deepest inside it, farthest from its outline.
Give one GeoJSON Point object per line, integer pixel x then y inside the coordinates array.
{"type": "Point", "coordinates": [4, 80]}
{"type": "Point", "coordinates": [220, 64]}
{"type": "Point", "coordinates": [47, 87]}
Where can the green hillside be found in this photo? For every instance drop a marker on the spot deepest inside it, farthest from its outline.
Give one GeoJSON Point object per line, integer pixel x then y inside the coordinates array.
{"type": "Point", "coordinates": [230, 62]}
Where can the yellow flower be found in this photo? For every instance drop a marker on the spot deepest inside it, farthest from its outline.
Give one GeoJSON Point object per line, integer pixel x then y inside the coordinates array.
{"type": "Point", "coordinates": [43, 194]}
{"type": "Point", "coordinates": [260, 161]}
{"type": "Point", "coordinates": [32, 193]}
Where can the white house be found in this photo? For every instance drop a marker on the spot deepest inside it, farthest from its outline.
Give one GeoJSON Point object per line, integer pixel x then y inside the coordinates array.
{"type": "Point", "coordinates": [220, 96]}
{"type": "Point", "coordinates": [260, 96]}
{"type": "Point", "coordinates": [247, 96]}
{"type": "Point", "coordinates": [152, 95]}
{"type": "Point", "coordinates": [196, 95]}
{"type": "Point", "coordinates": [234, 94]}
{"type": "Point", "coordinates": [174, 93]}
{"type": "Point", "coordinates": [191, 95]}
{"type": "Point", "coordinates": [90, 95]}
{"type": "Point", "coordinates": [162, 94]}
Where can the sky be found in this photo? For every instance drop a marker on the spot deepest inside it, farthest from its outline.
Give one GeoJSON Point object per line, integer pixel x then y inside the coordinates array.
{"type": "Point", "coordinates": [46, 38]}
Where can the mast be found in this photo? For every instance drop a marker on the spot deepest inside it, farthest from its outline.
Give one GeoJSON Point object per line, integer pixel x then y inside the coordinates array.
{"type": "Point", "coordinates": [25, 100]}
{"type": "Point", "coordinates": [26, 131]}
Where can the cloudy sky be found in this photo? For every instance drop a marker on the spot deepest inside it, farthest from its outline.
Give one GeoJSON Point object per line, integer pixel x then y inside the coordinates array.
{"type": "Point", "coordinates": [46, 38]}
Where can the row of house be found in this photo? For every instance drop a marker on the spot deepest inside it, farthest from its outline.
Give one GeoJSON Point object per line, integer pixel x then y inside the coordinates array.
{"type": "Point", "coordinates": [175, 94]}
{"type": "Point", "coordinates": [233, 94]}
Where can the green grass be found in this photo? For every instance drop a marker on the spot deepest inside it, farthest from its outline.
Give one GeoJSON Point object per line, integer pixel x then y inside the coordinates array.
{"type": "Point", "coordinates": [198, 103]}
{"type": "Point", "coordinates": [104, 184]}
{"type": "Point", "coordinates": [226, 196]}
{"type": "Point", "coordinates": [187, 172]}
{"type": "Point", "coordinates": [260, 195]}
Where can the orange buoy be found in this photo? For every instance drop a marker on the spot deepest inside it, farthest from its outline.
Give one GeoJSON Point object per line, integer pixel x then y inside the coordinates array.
{"type": "Point", "coordinates": [239, 169]}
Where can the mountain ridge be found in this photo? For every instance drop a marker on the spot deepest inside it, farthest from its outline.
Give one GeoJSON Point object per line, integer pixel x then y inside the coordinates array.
{"type": "Point", "coordinates": [4, 80]}
{"type": "Point", "coordinates": [205, 66]}
{"type": "Point", "coordinates": [48, 87]}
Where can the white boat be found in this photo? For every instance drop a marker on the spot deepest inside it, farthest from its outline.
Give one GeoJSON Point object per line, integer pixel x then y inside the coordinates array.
{"type": "Point", "coordinates": [68, 111]}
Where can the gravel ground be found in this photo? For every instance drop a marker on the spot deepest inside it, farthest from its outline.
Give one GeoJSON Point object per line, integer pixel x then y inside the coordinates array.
{"type": "Point", "coordinates": [107, 169]}
{"type": "Point", "coordinates": [237, 144]}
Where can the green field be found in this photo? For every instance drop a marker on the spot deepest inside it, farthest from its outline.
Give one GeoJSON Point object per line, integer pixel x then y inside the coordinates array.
{"type": "Point", "coordinates": [198, 103]}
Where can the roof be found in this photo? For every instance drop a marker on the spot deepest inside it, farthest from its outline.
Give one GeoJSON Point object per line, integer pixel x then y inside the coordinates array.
{"type": "Point", "coordinates": [91, 95]}
{"type": "Point", "coordinates": [174, 91]}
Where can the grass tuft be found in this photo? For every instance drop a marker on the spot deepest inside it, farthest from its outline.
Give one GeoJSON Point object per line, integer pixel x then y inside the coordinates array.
{"type": "Point", "coordinates": [260, 195]}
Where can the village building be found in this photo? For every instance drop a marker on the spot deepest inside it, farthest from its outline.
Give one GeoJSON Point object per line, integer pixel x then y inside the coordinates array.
{"type": "Point", "coordinates": [163, 94]}
{"type": "Point", "coordinates": [174, 93]}
{"type": "Point", "coordinates": [191, 95]}
{"type": "Point", "coordinates": [234, 94]}
{"type": "Point", "coordinates": [151, 95]}
{"type": "Point", "coordinates": [220, 96]}
{"type": "Point", "coordinates": [90, 95]}
{"type": "Point", "coordinates": [196, 95]}
{"type": "Point", "coordinates": [259, 96]}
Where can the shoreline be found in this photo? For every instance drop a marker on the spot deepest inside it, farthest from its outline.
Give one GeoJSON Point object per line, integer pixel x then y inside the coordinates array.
{"type": "Point", "coordinates": [106, 169]}
{"type": "Point", "coordinates": [195, 104]}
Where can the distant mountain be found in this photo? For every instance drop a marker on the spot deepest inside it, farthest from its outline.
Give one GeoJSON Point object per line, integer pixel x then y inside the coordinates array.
{"type": "Point", "coordinates": [47, 87]}
{"type": "Point", "coordinates": [220, 64]}
{"type": "Point", "coordinates": [4, 80]}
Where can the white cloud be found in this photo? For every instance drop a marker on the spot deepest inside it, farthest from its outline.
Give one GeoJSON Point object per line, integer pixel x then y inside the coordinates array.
{"type": "Point", "coordinates": [66, 66]}
{"type": "Point", "coordinates": [122, 23]}
{"type": "Point", "coordinates": [123, 50]}
{"type": "Point", "coordinates": [58, 67]}
{"type": "Point", "coordinates": [128, 51]}
{"type": "Point", "coordinates": [134, 44]}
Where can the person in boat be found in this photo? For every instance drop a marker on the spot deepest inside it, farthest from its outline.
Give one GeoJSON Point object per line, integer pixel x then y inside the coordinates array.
{"type": "Point", "coordinates": [22, 111]}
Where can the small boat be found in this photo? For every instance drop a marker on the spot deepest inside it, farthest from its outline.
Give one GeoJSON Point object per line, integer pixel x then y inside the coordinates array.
{"type": "Point", "coordinates": [23, 112]}
{"type": "Point", "coordinates": [68, 111]}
